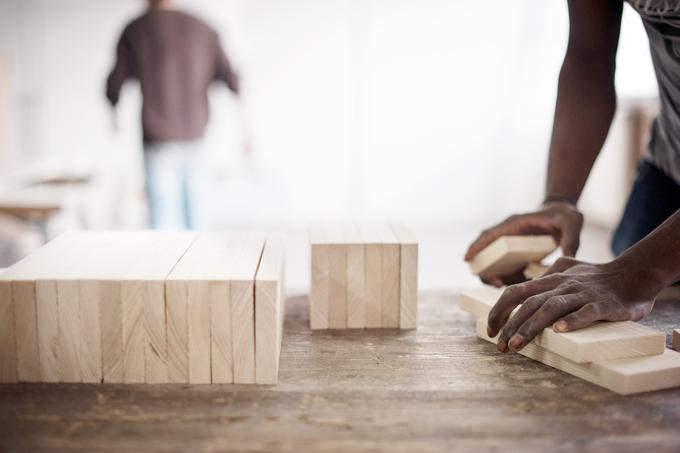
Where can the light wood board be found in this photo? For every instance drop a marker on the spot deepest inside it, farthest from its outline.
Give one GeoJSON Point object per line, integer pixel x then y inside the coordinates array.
{"type": "Point", "coordinates": [318, 294]}
{"type": "Point", "coordinates": [408, 277]}
{"type": "Point", "coordinates": [509, 254]}
{"type": "Point", "coordinates": [601, 341]}
{"type": "Point", "coordinates": [269, 306]}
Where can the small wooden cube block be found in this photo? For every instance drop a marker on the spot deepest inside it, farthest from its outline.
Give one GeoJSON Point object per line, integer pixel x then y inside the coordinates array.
{"type": "Point", "coordinates": [363, 276]}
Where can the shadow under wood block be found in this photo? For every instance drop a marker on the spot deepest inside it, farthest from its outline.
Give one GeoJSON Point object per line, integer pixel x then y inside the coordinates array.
{"type": "Point", "coordinates": [509, 254]}
{"type": "Point", "coordinates": [601, 341]}
{"type": "Point", "coordinates": [138, 307]}
{"type": "Point", "coordinates": [363, 276]}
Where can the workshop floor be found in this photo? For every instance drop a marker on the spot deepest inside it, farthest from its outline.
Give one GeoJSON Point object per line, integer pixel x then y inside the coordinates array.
{"type": "Point", "coordinates": [435, 389]}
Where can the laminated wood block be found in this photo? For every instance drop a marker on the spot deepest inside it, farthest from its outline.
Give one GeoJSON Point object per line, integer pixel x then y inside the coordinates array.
{"type": "Point", "coordinates": [601, 341]}
{"type": "Point", "coordinates": [624, 376]}
{"type": "Point", "coordinates": [510, 254]}
{"type": "Point", "coordinates": [408, 277]}
{"type": "Point", "coordinates": [269, 306]}
{"type": "Point", "coordinates": [676, 339]}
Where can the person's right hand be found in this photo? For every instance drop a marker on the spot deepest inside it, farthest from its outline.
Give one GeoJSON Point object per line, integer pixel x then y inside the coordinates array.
{"type": "Point", "coordinates": [559, 219]}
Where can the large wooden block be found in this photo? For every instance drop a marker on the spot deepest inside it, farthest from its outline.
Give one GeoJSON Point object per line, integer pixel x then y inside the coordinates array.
{"type": "Point", "coordinates": [143, 307]}
{"type": "Point", "coordinates": [408, 277]}
{"type": "Point", "coordinates": [510, 254]}
{"type": "Point", "coordinates": [221, 354]}
{"type": "Point", "coordinates": [269, 306]}
{"type": "Point", "coordinates": [601, 341]}
{"type": "Point", "coordinates": [623, 376]}
{"type": "Point", "coordinates": [676, 339]}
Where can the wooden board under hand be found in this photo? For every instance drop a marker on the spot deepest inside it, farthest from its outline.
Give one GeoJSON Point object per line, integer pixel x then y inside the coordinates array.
{"type": "Point", "coordinates": [601, 341]}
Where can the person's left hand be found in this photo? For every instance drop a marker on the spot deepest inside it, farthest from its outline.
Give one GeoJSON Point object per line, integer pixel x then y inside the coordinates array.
{"type": "Point", "coordinates": [572, 295]}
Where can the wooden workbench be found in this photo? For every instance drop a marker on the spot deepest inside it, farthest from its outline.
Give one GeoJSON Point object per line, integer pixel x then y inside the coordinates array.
{"type": "Point", "coordinates": [435, 389]}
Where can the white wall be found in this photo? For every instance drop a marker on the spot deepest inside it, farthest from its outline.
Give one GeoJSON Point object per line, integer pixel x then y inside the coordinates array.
{"type": "Point", "coordinates": [436, 112]}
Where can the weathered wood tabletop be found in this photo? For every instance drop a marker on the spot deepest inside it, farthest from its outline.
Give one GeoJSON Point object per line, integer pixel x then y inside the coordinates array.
{"type": "Point", "coordinates": [435, 389]}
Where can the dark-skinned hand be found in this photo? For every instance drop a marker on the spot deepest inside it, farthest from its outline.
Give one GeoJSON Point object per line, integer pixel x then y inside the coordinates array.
{"type": "Point", "coordinates": [572, 295]}
{"type": "Point", "coordinates": [559, 219]}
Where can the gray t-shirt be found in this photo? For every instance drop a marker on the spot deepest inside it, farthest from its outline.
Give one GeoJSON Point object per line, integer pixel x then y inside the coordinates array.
{"type": "Point", "coordinates": [661, 19]}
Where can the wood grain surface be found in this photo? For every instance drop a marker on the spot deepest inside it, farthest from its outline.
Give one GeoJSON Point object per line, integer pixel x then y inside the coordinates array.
{"type": "Point", "coordinates": [438, 388]}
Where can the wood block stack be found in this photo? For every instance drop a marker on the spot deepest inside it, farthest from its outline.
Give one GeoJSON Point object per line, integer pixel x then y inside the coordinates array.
{"type": "Point", "coordinates": [625, 357]}
{"type": "Point", "coordinates": [144, 307]}
{"type": "Point", "coordinates": [363, 276]}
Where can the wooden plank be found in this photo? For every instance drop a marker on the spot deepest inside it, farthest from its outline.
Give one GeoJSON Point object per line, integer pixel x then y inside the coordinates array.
{"type": "Point", "coordinates": [8, 353]}
{"type": "Point", "coordinates": [48, 330]}
{"type": "Point", "coordinates": [111, 309]}
{"type": "Point", "coordinates": [535, 270]}
{"type": "Point", "coordinates": [337, 276]}
{"type": "Point", "coordinates": [676, 339]}
{"type": "Point", "coordinates": [408, 277]}
{"type": "Point", "coordinates": [90, 332]}
{"type": "Point", "coordinates": [220, 347]}
{"type": "Point", "coordinates": [268, 310]}
{"type": "Point", "coordinates": [245, 259]}
{"type": "Point", "coordinates": [601, 341]}
{"type": "Point", "coordinates": [69, 331]}
{"type": "Point", "coordinates": [390, 292]}
{"type": "Point", "coordinates": [371, 238]}
{"type": "Point", "coordinates": [624, 376]}
{"type": "Point", "coordinates": [373, 285]}
{"type": "Point", "coordinates": [318, 294]}
{"type": "Point", "coordinates": [509, 254]}
{"type": "Point", "coordinates": [177, 315]}
{"type": "Point", "coordinates": [26, 329]}
{"type": "Point", "coordinates": [199, 332]}
{"type": "Point", "coordinates": [356, 280]}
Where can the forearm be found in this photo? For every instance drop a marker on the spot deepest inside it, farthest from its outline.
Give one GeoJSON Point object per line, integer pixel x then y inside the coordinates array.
{"type": "Point", "coordinates": [586, 102]}
{"type": "Point", "coordinates": [657, 256]}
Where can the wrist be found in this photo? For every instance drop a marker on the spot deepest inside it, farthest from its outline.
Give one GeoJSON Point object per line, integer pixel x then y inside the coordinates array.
{"type": "Point", "coordinates": [559, 198]}
{"type": "Point", "coordinates": [648, 279]}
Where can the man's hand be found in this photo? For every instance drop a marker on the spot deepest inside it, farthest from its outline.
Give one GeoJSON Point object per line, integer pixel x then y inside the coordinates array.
{"type": "Point", "coordinates": [559, 219]}
{"type": "Point", "coordinates": [572, 295]}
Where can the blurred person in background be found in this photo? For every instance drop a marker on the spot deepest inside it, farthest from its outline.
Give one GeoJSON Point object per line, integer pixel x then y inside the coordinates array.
{"type": "Point", "coordinates": [175, 57]}
{"type": "Point", "coordinates": [574, 294]}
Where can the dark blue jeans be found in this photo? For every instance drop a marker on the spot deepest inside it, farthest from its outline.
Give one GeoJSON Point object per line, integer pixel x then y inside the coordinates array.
{"type": "Point", "coordinates": [655, 197]}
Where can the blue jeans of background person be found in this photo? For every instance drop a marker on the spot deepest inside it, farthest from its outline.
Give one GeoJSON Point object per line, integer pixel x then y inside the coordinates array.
{"type": "Point", "coordinates": [173, 185]}
{"type": "Point", "coordinates": [655, 197]}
